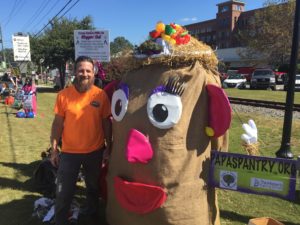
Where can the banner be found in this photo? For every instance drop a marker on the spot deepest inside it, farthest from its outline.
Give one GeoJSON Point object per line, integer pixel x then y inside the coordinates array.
{"type": "Point", "coordinates": [253, 174]}
{"type": "Point", "coordinates": [92, 43]}
{"type": "Point", "coordinates": [21, 47]}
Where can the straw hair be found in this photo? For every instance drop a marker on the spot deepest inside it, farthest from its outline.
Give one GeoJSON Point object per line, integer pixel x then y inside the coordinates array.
{"type": "Point", "coordinates": [181, 55]}
{"type": "Point", "coordinates": [251, 149]}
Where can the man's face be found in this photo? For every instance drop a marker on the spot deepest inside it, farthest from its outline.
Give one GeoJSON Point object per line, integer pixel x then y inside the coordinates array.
{"type": "Point", "coordinates": [84, 76]}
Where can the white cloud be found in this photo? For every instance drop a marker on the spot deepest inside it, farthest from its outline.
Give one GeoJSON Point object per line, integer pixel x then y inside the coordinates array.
{"type": "Point", "coordinates": [187, 19]}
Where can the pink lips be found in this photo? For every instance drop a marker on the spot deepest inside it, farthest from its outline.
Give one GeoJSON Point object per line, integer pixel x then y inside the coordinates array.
{"type": "Point", "coordinates": [137, 197]}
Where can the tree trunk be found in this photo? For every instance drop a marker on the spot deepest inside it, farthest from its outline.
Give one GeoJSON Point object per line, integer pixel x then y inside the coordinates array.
{"type": "Point", "coordinates": [62, 73]}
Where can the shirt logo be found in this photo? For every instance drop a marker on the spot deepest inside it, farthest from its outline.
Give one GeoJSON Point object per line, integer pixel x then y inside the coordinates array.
{"type": "Point", "coordinates": [95, 104]}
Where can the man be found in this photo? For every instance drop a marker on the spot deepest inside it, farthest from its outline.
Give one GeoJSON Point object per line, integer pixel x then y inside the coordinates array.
{"type": "Point", "coordinates": [82, 121]}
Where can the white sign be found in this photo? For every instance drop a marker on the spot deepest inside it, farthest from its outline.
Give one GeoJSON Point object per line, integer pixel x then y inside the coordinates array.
{"type": "Point", "coordinates": [92, 43]}
{"type": "Point", "coordinates": [21, 48]}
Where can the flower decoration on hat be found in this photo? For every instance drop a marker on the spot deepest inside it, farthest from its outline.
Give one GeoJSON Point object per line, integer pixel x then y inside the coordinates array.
{"type": "Point", "coordinates": [173, 34]}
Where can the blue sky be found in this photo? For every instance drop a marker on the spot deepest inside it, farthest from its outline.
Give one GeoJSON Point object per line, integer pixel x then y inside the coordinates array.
{"type": "Point", "coordinates": [132, 19]}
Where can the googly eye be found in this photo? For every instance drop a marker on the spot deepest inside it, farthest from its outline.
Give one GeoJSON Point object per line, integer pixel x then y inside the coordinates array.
{"type": "Point", "coordinates": [164, 109]}
{"type": "Point", "coordinates": [119, 103]}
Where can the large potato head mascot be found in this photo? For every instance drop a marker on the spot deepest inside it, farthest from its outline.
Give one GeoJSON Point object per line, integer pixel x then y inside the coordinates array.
{"type": "Point", "coordinates": [169, 113]}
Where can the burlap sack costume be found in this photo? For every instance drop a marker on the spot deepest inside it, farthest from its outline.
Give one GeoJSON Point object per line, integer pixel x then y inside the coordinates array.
{"type": "Point", "coordinates": [168, 183]}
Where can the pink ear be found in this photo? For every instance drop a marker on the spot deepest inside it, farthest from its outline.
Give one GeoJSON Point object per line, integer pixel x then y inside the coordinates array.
{"type": "Point", "coordinates": [219, 110]}
{"type": "Point", "coordinates": [110, 88]}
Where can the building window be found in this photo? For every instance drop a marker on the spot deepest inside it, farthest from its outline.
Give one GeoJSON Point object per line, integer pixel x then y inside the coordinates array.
{"type": "Point", "coordinates": [238, 8]}
{"type": "Point", "coordinates": [225, 8]}
{"type": "Point", "coordinates": [224, 22]}
{"type": "Point", "coordinates": [222, 34]}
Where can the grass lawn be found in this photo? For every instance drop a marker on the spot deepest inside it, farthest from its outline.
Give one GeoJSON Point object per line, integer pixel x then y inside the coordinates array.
{"type": "Point", "coordinates": [22, 140]}
{"type": "Point", "coordinates": [268, 95]}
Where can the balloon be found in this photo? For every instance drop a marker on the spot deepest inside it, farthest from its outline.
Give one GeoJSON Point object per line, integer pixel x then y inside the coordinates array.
{"type": "Point", "coordinates": [169, 30]}
{"type": "Point", "coordinates": [154, 34]}
{"type": "Point", "coordinates": [173, 25]}
{"type": "Point", "coordinates": [166, 37]}
{"type": "Point", "coordinates": [160, 27]}
{"type": "Point", "coordinates": [20, 114]}
{"type": "Point", "coordinates": [30, 115]}
{"type": "Point", "coordinates": [184, 33]}
{"type": "Point", "coordinates": [187, 38]}
{"type": "Point", "coordinates": [172, 41]}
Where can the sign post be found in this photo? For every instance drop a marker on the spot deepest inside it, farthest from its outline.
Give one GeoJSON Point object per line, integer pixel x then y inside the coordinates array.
{"type": "Point", "coordinates": [92, 43]}
{"type": "Point", "coordinates": [253, 174]}
{"type": "Point", "coordinates": [21, 47]}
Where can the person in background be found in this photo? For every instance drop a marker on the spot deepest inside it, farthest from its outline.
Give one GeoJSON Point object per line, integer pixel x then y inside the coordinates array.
{"type": "Point", "coordinates": [29, 90]}
{"type": "Point", "coordinates": [4, 92]}
{"type": "Point", "coordinates": [82, 113]}
{"type": "Point", "coordinates": [36, 79]}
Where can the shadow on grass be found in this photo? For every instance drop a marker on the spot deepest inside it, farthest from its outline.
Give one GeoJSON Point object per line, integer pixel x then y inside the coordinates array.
{"type": "Point", "coordinates": [233, 216]}
{"type": "Point", "coordinates": [9, 130]}
{"type": "Point", "coordinates": [21, 169]}
{"type": "Point", "coordinates": [19, 212]}
{"type": "Point", "coordinates": [46, 89]}
{"type": "Point", "coordinates": [27, 170]}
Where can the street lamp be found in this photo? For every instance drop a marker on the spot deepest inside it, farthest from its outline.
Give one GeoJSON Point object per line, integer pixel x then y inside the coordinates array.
{"type": "Point", "coordinates": [285, 148]}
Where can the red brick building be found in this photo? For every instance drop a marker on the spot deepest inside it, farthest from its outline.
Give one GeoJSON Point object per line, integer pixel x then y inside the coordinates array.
{"type": "Point", "coordinates": [220, 32]}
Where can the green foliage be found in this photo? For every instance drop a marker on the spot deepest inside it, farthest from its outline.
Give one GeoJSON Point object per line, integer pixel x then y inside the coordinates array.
{"type": "Point", "coordinates": [120, 44]}
{"type": "Point", "coordinates": [9, 55]}
{"type": "Point", "coordinates": [149, 47]}
{"type": "Point", "coordinates": [56, 44]}
{"type": "Point", "coordinates": [270, 32]}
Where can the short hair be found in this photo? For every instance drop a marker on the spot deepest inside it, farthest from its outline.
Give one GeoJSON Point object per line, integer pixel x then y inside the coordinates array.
{"type": "Point", "coordinates": [28, 79]}
{"type": "Point", "coordinates": [83, 59]}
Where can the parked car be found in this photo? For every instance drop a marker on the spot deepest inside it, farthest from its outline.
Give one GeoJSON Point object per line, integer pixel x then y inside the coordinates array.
{"type": "Point", "coordinates": [263, 78]}
{"type": "Point", "coordinates": [279, 76]}
{"type": "Point", "coordinates": [246, 72]}
{"type": "Point", "coordinates": [297, 82]}
{"type": "Point", "coordinates": [234, 80]}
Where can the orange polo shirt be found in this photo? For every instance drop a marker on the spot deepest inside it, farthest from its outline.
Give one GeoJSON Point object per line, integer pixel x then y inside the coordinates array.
{"type": "Point", "coordinates": [83, 114]}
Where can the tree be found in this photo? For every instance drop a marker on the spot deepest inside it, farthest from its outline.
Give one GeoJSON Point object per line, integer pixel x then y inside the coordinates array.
{"type": "Point", "coordinates": [56, 44]}
{"type": "Point", "coordinates": [9, 56]}
{"type": "Point", "coordinates": [270, 32]}
{"type": "Point", "coordinates": [120, 44]}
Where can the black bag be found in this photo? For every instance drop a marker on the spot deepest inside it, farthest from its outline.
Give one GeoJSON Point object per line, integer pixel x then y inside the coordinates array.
{"type": "Point", "coordinates": [45, 178]}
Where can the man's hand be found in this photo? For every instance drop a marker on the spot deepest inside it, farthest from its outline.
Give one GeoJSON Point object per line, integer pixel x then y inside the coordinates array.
{"type": "Point", "coordinates": [54, 158]}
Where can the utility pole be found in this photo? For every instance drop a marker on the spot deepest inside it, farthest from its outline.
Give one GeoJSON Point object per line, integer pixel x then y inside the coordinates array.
{"type": "Point", "coordinates": [1, 40]}
{"type": "Point", "coordinates": [285, 149]}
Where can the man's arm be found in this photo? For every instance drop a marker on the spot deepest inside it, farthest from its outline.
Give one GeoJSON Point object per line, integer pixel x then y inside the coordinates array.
{"type": "Point", "coordinates": [56, 132]}
{"type": "Point", "coordinates": [107, 129]}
